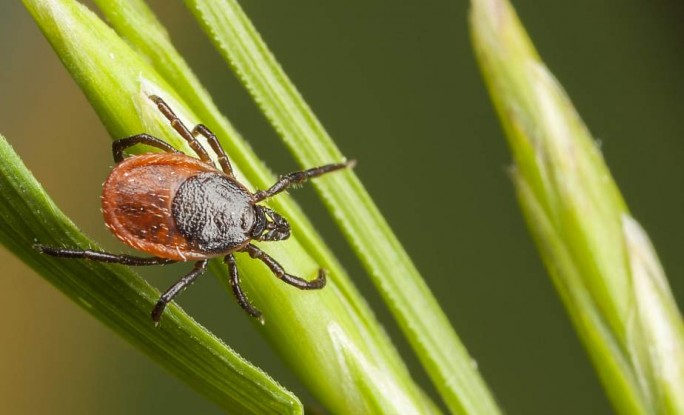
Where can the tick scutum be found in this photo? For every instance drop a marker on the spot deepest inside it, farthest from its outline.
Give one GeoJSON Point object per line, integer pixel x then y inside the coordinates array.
{"type": "Point", "coordinates": [213, 212]}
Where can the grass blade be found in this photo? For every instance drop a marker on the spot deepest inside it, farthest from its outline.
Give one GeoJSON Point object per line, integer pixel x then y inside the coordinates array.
{"type": "Point", "coordinates": [599, 258]}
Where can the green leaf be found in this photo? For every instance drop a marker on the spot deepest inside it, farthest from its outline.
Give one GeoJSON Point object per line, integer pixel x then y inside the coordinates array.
{"type": "Point", "coordinates": [599, 258]}
{"type": "Point", "coordinates": [326, 335]}
{"type": "Point", "coordinates": [122, 300]}
{"type": "Point", "coordinates": [408, 297]}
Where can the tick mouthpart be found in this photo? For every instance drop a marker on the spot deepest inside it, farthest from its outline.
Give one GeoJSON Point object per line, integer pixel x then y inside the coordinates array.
{"type": "Point", "coordinates": [269, 226]}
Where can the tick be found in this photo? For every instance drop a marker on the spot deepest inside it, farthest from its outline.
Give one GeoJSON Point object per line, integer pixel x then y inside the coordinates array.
{"type": "Point", "coordinates": [179, 208]}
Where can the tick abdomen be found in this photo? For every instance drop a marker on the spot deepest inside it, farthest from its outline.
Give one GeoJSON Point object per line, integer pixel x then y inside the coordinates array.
{"type": "Point", "coordinates": [137, 202]}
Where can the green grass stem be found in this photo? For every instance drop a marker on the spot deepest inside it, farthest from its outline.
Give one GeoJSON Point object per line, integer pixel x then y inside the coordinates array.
{"type": "Point", "coordinates": [599, 258]}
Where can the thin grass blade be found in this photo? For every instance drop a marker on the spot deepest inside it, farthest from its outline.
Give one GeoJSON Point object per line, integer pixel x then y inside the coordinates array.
{"type": "Point", "coordinates": [598, 256]}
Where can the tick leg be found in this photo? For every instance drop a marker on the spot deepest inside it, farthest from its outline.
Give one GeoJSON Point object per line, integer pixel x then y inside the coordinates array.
{"type": "Point", "coordinates": [201, 129]}
{"type": "Point", "coordinates": [237, 290]}
{"type": "Point", "coordinates": [177, 288]}
{"type": "Point", "coordinates": [178, 125]}
{"type": "Point", "coordinates": [120, 145]}
{"type": "Point", "coordinates": [101, 256]}
{"type": "Point", "coordinates": [279, 272]}
{"type": "Point", "coordinates": [299, 177]}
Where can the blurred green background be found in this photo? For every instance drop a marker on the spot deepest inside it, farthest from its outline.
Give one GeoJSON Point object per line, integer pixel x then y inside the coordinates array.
{"type": "Point", "coordinates": [396, 84]}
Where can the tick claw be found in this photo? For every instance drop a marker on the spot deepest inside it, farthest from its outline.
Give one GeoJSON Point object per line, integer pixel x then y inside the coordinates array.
{"type": "Point", "coordinates": [157, 312]}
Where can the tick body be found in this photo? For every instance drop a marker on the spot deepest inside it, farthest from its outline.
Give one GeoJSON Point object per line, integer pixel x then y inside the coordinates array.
{"type": "Point", "coordinates": [179, 208]}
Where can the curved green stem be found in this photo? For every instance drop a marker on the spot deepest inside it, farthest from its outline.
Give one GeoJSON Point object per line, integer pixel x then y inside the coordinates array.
{"type": "Point", "coordinates": [599, 258]}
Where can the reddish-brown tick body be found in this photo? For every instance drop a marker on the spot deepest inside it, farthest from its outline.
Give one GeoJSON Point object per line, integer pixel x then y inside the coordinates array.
{"type": "Point", "coordinates": [176, 207]}
{"type": "Point", "coordinates": [179, 208]}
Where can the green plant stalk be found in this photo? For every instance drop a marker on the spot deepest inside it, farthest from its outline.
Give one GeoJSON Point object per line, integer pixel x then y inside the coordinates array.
{"type": "Point", "coordinates": [122, 300]}
{"type": "Point", "coordinates": [408, 297]}
{"type": "Point", "coordinates": [599, 258]}
{"type": "Point", "coordinates": [320, 334]}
